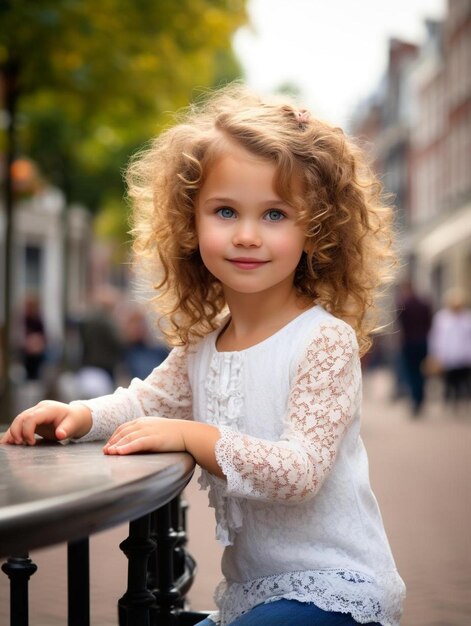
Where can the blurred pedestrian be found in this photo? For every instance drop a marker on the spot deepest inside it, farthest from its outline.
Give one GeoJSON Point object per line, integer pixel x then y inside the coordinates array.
{"type": "Point", "coordinates": [414, 318]}
{"type": "Point", "coordinates": [101, 345]}
{"type": "Point", "coordinates": [33, 343]}
{"type": "Point", "coordinates": [141, 354]}
{"type": "Point", "coordinates": [450, 345]}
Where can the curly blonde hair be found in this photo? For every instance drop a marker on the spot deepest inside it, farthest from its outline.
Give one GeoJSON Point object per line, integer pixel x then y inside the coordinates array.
{"type": "Point", "coordinates": [347, 222]}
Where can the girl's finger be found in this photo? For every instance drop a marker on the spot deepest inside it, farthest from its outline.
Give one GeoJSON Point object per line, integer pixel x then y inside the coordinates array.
{"type": "Point", "coordinates": [36, 417]}
{"type": "Point", "coordinates": [24, 422]}
{"type": "Point", "coordinates": [122, 431]}
{"type": "Point", "coordinates": [7, 437]}
{"type": "Point", "coordinates": [64, 428]}
{"type": "Point", "coordinates": [140, 444]}
{"type": "Point", "coordinates": [16, 427]}
{"type": "Point", "coordinates": [29, 424]}
{"type": "Point", "coordinates": [20, 433]}
{"type": "Point", "coordinates": [114, 439]}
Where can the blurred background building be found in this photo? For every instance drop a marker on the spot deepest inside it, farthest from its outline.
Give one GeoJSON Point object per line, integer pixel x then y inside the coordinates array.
{"type": "Point", "coordinates": [418, 124]}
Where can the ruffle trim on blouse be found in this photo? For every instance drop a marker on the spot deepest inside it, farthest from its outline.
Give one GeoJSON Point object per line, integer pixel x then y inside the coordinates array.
{"type": "Point", "coordinates": [366, 598]}
{"type": "Point", "coordinates": [225, 401]}
{"type": "Point", "coordinates": [228, 510]}
{"type": "Point", "coordinates": [225, 409]}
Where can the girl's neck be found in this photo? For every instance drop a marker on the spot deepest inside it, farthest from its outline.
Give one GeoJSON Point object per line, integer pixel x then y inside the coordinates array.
{"type": "Point", "coordinates": [255, 317]}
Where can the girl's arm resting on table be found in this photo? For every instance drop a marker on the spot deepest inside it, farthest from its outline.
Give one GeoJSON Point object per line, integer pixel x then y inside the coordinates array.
{"type": "Point", "coordinates": [155, 434]}
{"type": "Point", "coordinates": [322, 403]}
{"type": "Point", "coordinates": [165, 392]}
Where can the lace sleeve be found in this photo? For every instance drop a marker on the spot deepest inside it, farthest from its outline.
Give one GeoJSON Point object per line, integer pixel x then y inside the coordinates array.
{"type": "Point", "coordinates": [165, 392]}
{"type": "Point", "coordinates": [322, 403]}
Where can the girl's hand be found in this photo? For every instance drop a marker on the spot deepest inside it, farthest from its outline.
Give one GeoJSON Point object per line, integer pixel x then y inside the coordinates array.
{"type": "Point", "coordinates": [148, 434]}
{"type": "Point", "coordinates": [51, 420]}
{"type": "Point", "coordinates": [157, 434]}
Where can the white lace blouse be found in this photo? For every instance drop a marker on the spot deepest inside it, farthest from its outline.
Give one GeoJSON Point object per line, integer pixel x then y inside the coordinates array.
{"type": "Point", "coordinates": [296, 514]}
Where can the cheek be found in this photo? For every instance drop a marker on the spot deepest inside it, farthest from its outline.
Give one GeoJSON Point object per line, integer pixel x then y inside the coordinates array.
{"type": "Point", "coordinates": [290, 245]}
{"type": "Point", "coordinates": [210, 243]}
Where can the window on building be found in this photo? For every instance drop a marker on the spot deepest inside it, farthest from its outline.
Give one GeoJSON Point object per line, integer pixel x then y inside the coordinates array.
{"type": "Point", "coordinates": [33, 267]}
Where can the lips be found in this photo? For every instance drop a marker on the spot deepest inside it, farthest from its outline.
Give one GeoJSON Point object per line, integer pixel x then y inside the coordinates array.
{"type": "Point", "coordinates": [247, 263]}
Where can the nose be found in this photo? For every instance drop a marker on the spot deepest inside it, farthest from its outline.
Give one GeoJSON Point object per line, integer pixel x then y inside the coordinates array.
{"type": "Point", "coordinates": [247, 234]}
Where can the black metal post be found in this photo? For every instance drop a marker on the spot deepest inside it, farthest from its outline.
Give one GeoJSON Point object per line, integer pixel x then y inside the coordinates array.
{"type": "Point", "coordinates": [137, 605]}
{"type": "Point", "coordinates": [19, 569]}
{"type": "Point", "coordinates": [78, 582]}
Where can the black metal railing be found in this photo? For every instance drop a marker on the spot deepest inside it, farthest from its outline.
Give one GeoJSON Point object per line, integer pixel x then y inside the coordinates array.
{"type": "Point", "coordinates": [160, 574]}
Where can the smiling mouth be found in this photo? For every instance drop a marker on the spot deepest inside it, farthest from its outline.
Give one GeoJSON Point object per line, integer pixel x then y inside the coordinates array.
{"type": "Point", "coordinates": [247, 263]}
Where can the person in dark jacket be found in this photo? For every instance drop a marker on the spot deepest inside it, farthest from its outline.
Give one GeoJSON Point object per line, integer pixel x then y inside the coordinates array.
{"type": "Point", "coordinates": [415, 318]}
{"type": "Point", "coordinates": [34, 342]}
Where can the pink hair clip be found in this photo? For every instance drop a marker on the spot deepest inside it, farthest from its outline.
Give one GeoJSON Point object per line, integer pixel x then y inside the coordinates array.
{"type": "Point", "coordinates": [302, 117]}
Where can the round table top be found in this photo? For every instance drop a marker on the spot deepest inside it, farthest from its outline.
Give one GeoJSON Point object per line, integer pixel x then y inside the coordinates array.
{"type": "Point", "coordinates": [51, 492]}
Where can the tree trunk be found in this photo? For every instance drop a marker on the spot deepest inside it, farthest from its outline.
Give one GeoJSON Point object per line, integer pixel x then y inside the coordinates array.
{"type": "Point", "coordinates": [10, 73]}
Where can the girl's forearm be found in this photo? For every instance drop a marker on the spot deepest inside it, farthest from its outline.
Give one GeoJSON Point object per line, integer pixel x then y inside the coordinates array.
{"type": "Point", "coordinates": [160, 434]}
{"type": "Point", "coordinates": [200, 441]}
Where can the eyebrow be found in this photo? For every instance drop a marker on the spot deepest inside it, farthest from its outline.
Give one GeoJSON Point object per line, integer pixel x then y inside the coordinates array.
{"type": "Point", "coordinates": [231, 200]}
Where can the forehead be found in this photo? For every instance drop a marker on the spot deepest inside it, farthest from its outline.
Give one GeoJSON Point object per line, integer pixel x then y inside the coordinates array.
{"type": "Point", "coordinates": [241, 178]}
{"type": "Point", "coordinates": [236, 160]}
{"type": "Point", "coordinates": [226, 155]}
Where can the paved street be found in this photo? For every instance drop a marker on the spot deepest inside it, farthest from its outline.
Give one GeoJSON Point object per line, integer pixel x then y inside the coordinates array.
{"type": "Point", "coordinates": [420, 470]}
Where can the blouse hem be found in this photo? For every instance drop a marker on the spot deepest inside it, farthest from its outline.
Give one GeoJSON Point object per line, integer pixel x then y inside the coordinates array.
{"type": "Point", "coordinates": [367, 598]}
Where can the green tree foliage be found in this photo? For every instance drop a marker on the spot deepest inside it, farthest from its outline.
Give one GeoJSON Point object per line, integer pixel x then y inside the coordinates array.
{"type": "Point", "coordinates": [96, 79]}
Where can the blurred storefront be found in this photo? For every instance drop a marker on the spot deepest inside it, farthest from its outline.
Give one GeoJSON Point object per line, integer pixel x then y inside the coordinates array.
{"type": "Point", "coordinates": [50, 247]}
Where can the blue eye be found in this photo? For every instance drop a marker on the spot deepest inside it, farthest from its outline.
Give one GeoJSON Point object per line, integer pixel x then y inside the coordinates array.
{"type": "Point", "coordinates": [275, 215]}
{"type": "Point", "coordinates": [225, 212]}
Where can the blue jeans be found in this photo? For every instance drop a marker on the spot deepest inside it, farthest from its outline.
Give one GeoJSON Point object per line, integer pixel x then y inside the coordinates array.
{"type": "Point", "coordinates": [290, 613]}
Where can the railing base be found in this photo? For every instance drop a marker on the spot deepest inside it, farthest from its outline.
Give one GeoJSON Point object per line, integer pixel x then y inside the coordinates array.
{"type": "Point", "coordinates": [19, 569]}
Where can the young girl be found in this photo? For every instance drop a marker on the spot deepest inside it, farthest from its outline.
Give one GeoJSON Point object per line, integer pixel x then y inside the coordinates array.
{"type": "Point", "coordinates": [270, 240]}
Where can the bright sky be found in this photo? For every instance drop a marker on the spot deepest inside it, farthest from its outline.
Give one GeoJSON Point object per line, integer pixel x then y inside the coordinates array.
{"type": "Point", "coordinates": [335, 51]}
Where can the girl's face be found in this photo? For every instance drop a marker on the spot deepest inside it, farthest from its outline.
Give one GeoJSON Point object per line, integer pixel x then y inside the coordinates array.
{"type": "Point", "coordinates": [247, 235]}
